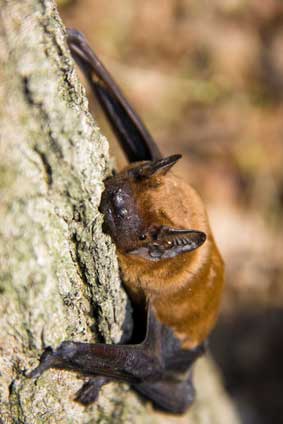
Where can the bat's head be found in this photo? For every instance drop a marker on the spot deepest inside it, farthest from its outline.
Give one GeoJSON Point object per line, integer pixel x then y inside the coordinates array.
{"type": "Point", "coordinates": [132, 215]}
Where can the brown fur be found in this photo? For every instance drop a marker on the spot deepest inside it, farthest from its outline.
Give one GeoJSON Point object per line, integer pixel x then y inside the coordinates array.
{"type": "Point", "coordinates": [185, 291]}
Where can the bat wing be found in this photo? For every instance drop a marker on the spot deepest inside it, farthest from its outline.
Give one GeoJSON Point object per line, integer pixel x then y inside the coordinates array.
{"type": "Point", "coordinates": [132, 134]}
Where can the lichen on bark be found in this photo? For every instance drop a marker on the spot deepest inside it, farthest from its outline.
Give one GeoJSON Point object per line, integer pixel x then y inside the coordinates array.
{"type": "Point", "coordinates": [59, 275]}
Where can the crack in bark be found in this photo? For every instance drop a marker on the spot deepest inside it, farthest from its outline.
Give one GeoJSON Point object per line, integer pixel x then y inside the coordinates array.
{"type": "Point", "coordinates": [44, 117]}
{"type": "Point", "coordinates": [46, 166]}
{"type": "Point", "coordinates": [15, 402]}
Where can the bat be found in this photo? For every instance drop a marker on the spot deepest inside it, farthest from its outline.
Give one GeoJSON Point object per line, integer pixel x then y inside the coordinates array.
{"type": "Point", "coordinates": [170, 265]}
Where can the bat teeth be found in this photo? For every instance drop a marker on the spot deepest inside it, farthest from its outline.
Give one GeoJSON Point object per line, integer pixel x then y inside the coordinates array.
{"type": "Point", "coordinates": [182, 242]}
{"type": "Point", "coordinates": [187, 241]}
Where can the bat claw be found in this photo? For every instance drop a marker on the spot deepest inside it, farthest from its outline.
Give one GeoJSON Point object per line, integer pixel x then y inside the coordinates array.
{"type": "Point", "coordinates": [47, 360]}
{"type": "Point", "coordinates": [89, 392]}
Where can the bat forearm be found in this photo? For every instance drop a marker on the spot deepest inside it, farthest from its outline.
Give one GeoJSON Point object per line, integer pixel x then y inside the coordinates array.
{"type": "Point", "coordinates": [133, 364]}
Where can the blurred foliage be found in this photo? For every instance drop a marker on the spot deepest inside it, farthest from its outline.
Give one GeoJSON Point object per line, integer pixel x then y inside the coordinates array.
{"type": "Point", "coordinates": [207, 77]}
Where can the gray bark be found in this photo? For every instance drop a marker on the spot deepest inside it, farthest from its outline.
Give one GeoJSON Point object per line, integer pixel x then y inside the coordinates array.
{"type": "Point", "coordinates": [58, 272]}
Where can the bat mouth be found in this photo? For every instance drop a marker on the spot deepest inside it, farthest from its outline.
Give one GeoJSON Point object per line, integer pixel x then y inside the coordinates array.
{"type": "Point", "coordinates": [167, 243]}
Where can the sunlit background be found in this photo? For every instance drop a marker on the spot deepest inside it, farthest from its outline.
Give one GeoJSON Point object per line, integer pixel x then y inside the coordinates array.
{"type": "Point", "coordinates": [207, 78]}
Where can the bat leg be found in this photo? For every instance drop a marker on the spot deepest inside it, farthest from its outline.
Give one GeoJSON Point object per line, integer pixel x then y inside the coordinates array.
{"type": "Point", "coordinates": [89, 391]}
{"type": "Point", "coordinates": [129, 363]}
{"type": "Point", "coordinates": [168, 395]}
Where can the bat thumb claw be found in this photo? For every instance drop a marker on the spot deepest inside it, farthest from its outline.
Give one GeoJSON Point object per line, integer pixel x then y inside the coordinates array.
{"type": "Point", "coordinates": [47, 360]}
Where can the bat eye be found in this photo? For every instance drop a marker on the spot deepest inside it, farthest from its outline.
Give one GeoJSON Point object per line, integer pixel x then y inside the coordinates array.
{"type": "Point", "coordinates": [142, 237]}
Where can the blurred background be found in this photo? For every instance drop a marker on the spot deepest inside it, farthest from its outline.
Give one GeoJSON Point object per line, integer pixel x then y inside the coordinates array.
{"type": "Point", "coordinates": [207, 78]}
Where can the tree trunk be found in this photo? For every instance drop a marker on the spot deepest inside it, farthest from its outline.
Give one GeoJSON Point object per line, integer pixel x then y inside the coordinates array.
{"type": "Point", "coordinates": [59, 273]}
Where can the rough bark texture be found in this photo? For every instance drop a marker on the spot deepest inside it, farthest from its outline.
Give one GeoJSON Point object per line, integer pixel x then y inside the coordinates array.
{"type": "Point", "coordinates": [59, 274]}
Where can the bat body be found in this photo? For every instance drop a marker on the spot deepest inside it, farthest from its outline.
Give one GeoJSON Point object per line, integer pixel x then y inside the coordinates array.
{"type": "Point", "coordinates": [170, 265]}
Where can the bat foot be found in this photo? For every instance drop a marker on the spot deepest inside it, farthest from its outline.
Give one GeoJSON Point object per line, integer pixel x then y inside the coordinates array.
{"type": "Point", "coordinates": [89, 392]}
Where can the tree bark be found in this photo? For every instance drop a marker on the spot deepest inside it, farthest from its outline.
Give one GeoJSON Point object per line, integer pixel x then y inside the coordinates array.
{"type": "Point", "coordinates": [59, 275]}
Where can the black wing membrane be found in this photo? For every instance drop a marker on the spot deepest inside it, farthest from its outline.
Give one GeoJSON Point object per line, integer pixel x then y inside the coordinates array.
{"type": "Point", "coordinates": [132, 134]}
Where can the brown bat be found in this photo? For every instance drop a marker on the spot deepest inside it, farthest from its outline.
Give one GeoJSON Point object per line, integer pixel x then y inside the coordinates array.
{"type": "Point", "coordinates": [170, 265]}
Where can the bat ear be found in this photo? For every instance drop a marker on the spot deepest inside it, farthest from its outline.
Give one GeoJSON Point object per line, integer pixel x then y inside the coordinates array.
{"type": "Point", "coordinates": [153, 168]}
{"type": "Point", "coordinates": [167, 242]}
